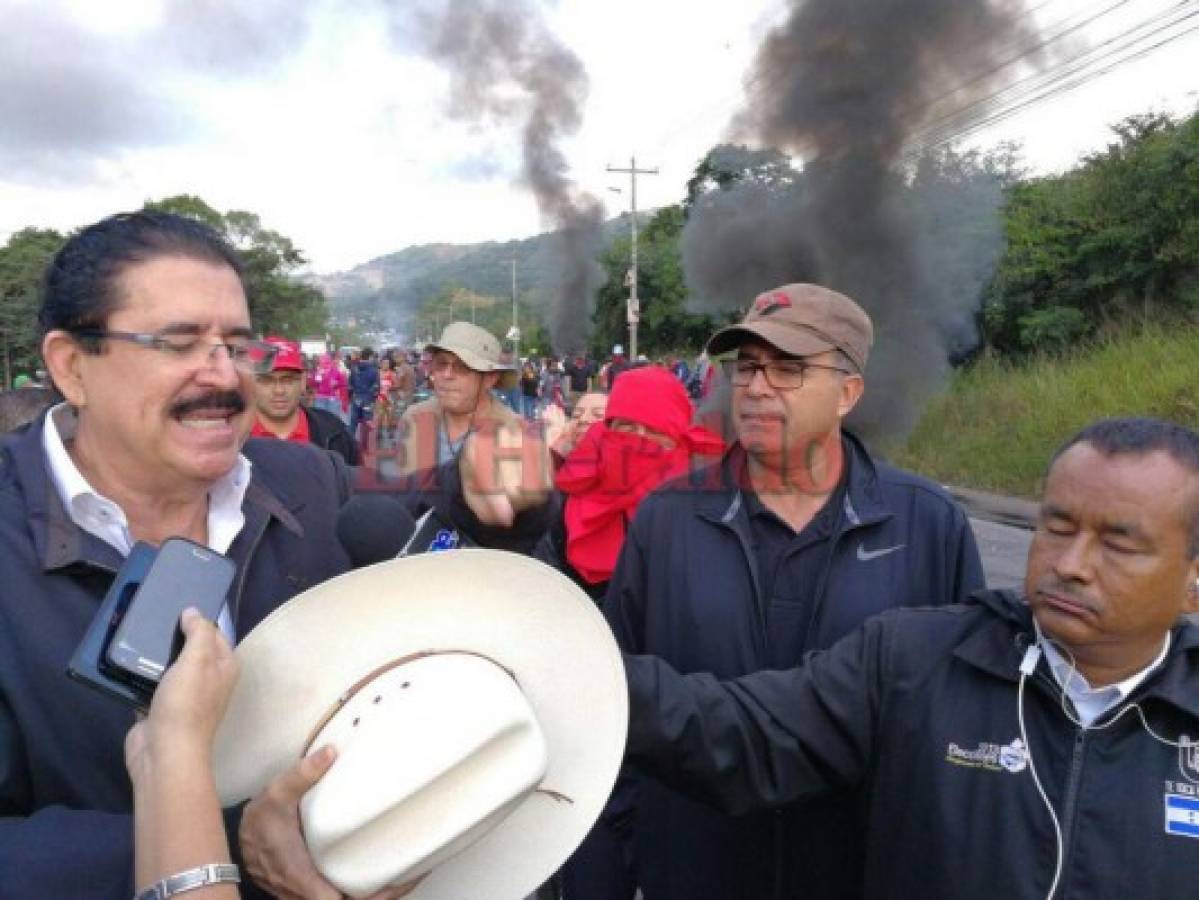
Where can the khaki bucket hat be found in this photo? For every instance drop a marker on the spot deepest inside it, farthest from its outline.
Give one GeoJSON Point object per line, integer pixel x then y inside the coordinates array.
{"type": "Point", "coordinates": [477, 347]}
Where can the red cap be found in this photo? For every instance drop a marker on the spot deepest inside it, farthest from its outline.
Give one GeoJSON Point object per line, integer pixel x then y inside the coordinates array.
{"type": "Point", "coordinates": [288, 357]}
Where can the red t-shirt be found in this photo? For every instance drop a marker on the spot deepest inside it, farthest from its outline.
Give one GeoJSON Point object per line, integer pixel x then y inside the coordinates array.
{"type": "Point", "coordinates": [299, 434]}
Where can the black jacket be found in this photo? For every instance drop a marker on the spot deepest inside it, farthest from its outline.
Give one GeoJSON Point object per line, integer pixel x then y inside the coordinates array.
{"type": "Point", "coordinates": [919, 708]}
{"type": "Point", "coordinates": [330, 433]}
{"type": "Point", "coordinates": [65, 801]}
{"type": "Point", "coordinates": [687, 589]}
{"type": "Point", "coordinates": [551, 550]}
{"type": "Point", "coordinates": [65, 829]}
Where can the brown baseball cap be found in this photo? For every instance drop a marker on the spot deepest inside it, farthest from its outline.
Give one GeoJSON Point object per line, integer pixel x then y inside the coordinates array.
{"type": "Point", "coordinates": [801, 320]}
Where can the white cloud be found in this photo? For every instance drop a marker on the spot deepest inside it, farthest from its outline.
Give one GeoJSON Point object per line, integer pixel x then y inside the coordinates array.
{"type": "Point", "coordinates": [337, 140]}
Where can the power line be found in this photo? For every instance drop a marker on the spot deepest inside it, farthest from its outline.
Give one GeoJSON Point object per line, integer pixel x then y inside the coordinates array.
{"type": "Point", "coordinates": [1066, 88]}
{"type": "Point", "coordinates": [1030, 50]}
{"type": "Point", "coordinates": [1058, 82]}
{"type": "Point", "coordinates": [1023, 52]}
{"type": "Point", "coordinates": [1025, 87]}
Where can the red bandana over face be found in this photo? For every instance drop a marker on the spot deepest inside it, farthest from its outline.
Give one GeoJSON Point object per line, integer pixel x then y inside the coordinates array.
{"type": "Point", "coordinates": [609, 472]}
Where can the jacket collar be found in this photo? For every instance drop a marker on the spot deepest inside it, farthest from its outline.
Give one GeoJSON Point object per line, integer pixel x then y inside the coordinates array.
{"type": "Point", "coordinates": [60, 544]}
{"type": "Point", "coordinates": [723, 486]}
{"type": "Point", "coordinates": [999, 646]}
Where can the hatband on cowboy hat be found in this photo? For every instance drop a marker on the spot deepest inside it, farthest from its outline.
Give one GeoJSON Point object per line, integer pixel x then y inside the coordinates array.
{"type": "Point", "coordinates": [478, 704]}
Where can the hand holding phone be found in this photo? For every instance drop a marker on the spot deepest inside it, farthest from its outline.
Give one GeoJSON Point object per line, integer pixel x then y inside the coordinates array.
{"type": "Point", "coordinates": [135, 634]}
{"type": "Point", "coordinates": [147, 638]}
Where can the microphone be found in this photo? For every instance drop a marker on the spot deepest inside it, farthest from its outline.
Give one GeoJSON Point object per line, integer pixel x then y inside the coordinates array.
{"type": "Point", "coordinates": [373, 528]}
{"type": "Point", "coordinates": [432, 535]}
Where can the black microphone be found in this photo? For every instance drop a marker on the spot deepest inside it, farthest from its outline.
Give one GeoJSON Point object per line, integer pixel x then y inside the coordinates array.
{"type": "Point", "coordinates": [373, 528]}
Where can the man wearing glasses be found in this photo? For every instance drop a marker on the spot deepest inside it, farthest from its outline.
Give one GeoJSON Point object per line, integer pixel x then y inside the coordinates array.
{"type": "Point", "coordinates": [796, 539]}
{"type": "Point", "coordinates": [146, 333]}
{"type": "Point", "coordinates": [466, 367]}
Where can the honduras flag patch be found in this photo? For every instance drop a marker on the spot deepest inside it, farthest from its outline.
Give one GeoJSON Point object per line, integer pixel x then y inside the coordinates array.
{"type": "Point", "coordinates": [1182, 815]}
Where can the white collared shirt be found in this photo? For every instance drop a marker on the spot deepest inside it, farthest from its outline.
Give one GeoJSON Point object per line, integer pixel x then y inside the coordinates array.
{"type": "Point", "coordinates": [1089, 702]}
{"type": "Point", "coordinates": [104, 519]}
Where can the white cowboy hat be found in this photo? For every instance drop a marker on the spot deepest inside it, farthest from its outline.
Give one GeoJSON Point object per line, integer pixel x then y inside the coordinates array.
{"type": "Point", "coordinates": [478, 704]}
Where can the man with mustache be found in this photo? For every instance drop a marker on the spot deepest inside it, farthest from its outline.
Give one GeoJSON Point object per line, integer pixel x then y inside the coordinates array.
{"type": "Point", "coordinates": [794, 540]}
{"type": "Point", "coordinates": [1022, 747]}
{"type": "Point", "coordinates": [147, 335]}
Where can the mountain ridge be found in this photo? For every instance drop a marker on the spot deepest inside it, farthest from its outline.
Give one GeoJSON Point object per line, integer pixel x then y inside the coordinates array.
{"type": "Point", "coordinates": [391, 288]}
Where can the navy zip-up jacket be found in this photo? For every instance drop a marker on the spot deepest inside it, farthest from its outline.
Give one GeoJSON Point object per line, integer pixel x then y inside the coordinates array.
{"type": "Point", "coordinates": [686, 589]}
{"type": "Point", "coordinates": [919, 710]}
{"type": "Point", "coordinates": [65, 797]}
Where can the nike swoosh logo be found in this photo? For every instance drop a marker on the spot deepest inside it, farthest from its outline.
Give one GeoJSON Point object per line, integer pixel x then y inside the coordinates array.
{"type": "Point", "coordinates": [866, 555]}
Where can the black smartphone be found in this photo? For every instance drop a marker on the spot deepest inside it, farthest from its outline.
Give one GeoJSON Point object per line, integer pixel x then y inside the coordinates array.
{"type": "Point", "coordinates": [147, 638]}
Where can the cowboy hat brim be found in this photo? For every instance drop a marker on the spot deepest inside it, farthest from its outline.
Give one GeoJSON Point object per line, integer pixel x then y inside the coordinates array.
{"type": "Point", "coordinates": [520, 613]}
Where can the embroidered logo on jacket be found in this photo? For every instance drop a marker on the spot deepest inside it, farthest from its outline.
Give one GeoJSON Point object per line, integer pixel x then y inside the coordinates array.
{"type": "Point", "coordinates": [1011, 757]}
{"type": "Point", "coordinates": [1188, 759]}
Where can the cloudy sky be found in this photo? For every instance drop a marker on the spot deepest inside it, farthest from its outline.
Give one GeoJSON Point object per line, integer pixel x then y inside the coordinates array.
{"type": "Point", "coordinates": [334, 122]}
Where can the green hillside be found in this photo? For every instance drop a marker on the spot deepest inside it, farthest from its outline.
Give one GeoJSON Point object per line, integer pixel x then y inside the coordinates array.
{"type": "Point", "coordinates": [999, 423]}
{"type": "Point", "coordinates": [391, 288]}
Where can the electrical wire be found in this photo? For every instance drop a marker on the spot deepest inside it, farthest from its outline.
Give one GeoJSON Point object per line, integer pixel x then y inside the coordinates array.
{"type": "Point", "coordinates": [1066, 87]}
{"type": "Point", "coordinates": [1027, 666]}
{"type": "Point", "coordinates": [1023, 52]}
{"type": "Point", "coordinates": [1057, 81]}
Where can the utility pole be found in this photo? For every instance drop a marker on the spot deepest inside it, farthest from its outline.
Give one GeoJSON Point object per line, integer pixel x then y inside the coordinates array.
{"type": "Point", "coordinates": [634, 305]}
{"type": "Point", "coordinates": [514, 331]}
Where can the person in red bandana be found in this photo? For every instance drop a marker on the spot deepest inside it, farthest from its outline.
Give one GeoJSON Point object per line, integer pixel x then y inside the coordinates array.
{"type": "Point", "coordinates": [645, 440]}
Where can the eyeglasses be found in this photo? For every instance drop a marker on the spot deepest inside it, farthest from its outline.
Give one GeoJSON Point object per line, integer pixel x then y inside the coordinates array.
{"type": "Point", "coordinates": [450, 365]}
{"type": "Point", "coordinates": [254, 357]}
{"type": "Point", "coordinates": [780, 374]}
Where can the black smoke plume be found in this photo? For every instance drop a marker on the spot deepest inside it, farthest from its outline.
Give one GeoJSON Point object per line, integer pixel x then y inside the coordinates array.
{"type": "Point", "coordinates": [506, 66]}
{"type": "Point", "coordinates": [843, 85]}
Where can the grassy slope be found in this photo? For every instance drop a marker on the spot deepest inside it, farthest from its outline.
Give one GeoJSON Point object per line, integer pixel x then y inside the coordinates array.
{"type": "Point", "coordinates": [998, 424]}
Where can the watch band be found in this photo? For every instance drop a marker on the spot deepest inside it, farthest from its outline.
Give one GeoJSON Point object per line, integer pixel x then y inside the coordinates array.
{"type": "Point", "coordinates": [201, 876]}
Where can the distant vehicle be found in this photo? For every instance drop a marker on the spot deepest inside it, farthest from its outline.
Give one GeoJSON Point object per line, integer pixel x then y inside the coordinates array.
{"type": "Point", "coordinates": [313, 346]}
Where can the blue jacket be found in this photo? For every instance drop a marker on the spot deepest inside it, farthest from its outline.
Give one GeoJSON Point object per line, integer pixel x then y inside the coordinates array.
{"type": "Point", "coordinates": [919, 708]}
{"type": "Point", "coordinates": [686, 589]}
{"type": "Point", "coordinates": [364, 382]}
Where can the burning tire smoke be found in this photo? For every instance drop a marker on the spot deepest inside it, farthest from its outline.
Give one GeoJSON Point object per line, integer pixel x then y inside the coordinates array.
{"type": "Point", "coordinates": [506, 66]}
{"type": "Point", "coordinates": [843, 85]}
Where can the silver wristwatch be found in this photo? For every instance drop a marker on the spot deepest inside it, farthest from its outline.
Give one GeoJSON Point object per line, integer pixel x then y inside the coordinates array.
{"type": "Point", "coordinates": [201, 876]}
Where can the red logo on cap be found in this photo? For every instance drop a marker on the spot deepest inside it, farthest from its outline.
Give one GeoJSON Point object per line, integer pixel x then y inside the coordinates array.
{"type": "Point", "coordinates": [768, 303]}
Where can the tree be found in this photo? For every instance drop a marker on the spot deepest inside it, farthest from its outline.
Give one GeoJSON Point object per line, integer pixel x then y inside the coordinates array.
{"type": "Point", "coordinates": [728, 164]}
{"type": "Point", "coordinates": [280, 303]}
{"type": "Point", "coordinates": [1116, 237]}
{"type": "Point", "coordinates": [23, 262]}
{"type": "Point", "coordinates": [666, 325]}
{"type": "Point", "coordinates": [452, 302]}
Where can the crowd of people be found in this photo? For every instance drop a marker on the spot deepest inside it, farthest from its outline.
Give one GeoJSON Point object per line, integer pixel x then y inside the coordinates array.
{"type": "Point", "coordinates": [825, 701]}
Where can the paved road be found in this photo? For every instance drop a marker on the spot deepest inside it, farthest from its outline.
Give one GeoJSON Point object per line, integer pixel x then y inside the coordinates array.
{"type": "Point", "coordinates": [1004, 551]}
